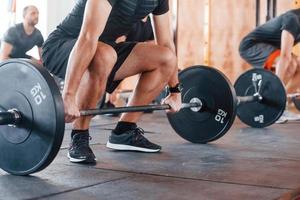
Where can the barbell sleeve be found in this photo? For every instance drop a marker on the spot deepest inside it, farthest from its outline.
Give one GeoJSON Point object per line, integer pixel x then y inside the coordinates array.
{"type": "Point", "coordinates": [248, 99]}
{"type": "Point", "coordinates": [10, 117]}
{"type": "Point", "coordinates": [93, 112]}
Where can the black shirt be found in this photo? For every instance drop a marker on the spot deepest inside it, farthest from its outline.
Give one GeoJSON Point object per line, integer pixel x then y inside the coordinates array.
{"type": "Point", "coordinates": [124, 14]}
{"type": "Point", "coordinates": [141, 32]}
{"type": "Point", "coordinates": [21, 42]}
{"type": "Point", "coordinates": [270, 32]}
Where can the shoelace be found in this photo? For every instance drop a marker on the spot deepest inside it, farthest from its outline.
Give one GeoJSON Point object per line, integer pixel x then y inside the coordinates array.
{"type": "Point", "coordinates": [82, 140]}
{"type": "Point", "coordinates": [138, 133]}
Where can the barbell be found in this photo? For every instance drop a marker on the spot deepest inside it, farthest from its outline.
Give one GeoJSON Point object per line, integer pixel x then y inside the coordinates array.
{"type": "Point", "coordinates": [32, 112]}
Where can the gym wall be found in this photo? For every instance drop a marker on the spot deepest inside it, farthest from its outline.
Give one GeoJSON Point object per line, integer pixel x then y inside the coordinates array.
{"type": "Point", "coordinates": [209, 31]}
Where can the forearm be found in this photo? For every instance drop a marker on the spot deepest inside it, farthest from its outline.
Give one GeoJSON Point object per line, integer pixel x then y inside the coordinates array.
{"type": "Point", "coordinates": [78, 63]}
{"type": "Point", "coordinates": [4, 57]}
{"type": "Point", "coordinates": [282, 67]}
{"type": "Point", "coordinates": [5, 51]}
{"type": "Point", "coordinates": [40, 54]}
{"type": "Point", "coordinates": [174, 79]}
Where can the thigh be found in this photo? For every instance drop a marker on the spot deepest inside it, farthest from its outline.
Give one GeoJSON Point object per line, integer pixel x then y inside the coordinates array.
{"type": "Point", "coordinates": [143, 57]}
{"type": "Point", "coordinates": [293, 66]}
{"type": "Point", "coordinates": [258, 54]}
{"type": "Point", "coordinates": [297, 61]}
{"type": "Point", "coordinates": [133, 58]}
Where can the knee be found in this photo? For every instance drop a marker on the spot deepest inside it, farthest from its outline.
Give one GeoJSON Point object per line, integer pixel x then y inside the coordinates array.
{"type": "Point", "coordinates": [103, 61]}
{"type": "Point", "coordinates": [168, 61]}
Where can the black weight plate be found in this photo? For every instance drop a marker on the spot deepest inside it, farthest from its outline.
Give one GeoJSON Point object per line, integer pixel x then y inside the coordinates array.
{"type": "Point", "coordinates": [34, 143]}
{"type": "Point", "coordinates": [268, 111]}
{"type": "Point", "coordinates": [218, 97]}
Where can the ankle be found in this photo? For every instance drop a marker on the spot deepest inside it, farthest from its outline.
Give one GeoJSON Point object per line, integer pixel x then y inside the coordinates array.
{"type": "Point", "coordinates": [124, 127]}
{"type": "Point", "coordinates": [76, 131]}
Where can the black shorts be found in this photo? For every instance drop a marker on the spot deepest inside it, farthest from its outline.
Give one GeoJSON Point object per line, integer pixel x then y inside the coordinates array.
{"type": "Point", "coordinates": [257, 54]}
{"type": "Point", "coordinates": [56, 52]}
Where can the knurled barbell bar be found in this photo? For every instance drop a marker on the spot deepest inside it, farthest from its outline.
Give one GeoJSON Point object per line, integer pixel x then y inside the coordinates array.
{"type": "Point", "coordinates": [32, 113]}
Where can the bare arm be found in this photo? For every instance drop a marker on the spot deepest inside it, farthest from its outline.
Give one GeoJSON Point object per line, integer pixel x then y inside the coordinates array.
{"type": "Point", "coordinates": [164, 38]}
{"type": "Point", "coordinates": [6, 50]}
{"type": "Point", "coordinates": [287, 43]}
{"type": "Point", "coordinates": [40, 53]}
{"type": "Point", "coordinates": [94, 21]}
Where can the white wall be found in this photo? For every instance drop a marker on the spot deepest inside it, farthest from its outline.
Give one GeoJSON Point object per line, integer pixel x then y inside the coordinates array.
{"type": "Point", "coordinates": [56, 11]}
{"type": "Point", "coordinates": [6, 18]}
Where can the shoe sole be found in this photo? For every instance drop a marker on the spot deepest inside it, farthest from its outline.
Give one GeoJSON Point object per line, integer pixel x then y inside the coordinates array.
{"type": "Point", "coordinates": [76, 160]}
{"type": "Point", "coordinates": [123, 147]}
{"type": "Point", "coordinates": [281, 121]}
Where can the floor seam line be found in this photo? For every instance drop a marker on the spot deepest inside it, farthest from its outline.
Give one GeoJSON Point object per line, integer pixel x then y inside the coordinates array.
{"type": "Point", "coordinates": [194, 179]}
{"type": "Point", "coordinates": [79, 188]}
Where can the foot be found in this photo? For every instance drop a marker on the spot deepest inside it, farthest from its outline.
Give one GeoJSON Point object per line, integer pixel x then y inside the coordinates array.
{"type": "Point", "coordinates": [80, 151]}
{"type": "Point", "coordinates": [282, 120]}
{"type": "Point", "coordinates": [291, 116]}
{"type": "Point", "coordinates": [132, 140]}
{"type": "Point", "coordinates": [288, 116]}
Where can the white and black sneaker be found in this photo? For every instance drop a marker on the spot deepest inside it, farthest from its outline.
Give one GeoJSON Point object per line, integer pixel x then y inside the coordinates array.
{"type": "Point", "coordinates": [80, 151]}
{"type": "Point", "coordinates": [132, 140]}
{"type": "Point", "coordinates": [288, 116]}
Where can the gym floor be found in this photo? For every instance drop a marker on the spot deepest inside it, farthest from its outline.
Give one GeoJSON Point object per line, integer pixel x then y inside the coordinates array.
{"type": "Point", "coordinates": [245, 164]}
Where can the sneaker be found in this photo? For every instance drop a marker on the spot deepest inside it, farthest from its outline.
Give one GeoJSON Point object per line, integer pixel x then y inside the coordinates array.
{"type": "Point", "coordinates": [132, 140]}
{"type": "Point", "coordinates": [80, 151]}
{"type": "Point", "coordinates": [288, 116]}
{"type": "Point", "coordinates": [291, 116]}
{"type": "Point", "coordinates": [282, 120]}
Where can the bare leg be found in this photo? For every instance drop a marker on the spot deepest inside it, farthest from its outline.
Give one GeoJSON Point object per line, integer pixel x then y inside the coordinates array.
{"type": "Point", "coordinates": [113, 97]}
{"type": "Point", "coordinates": [294, 84]}
{"type": "Point", "coordinates": [287, 72]}
{"type": "Point", "coordinates": [156, 65]}
{"type": "Point", "coordinates": [93, 83]}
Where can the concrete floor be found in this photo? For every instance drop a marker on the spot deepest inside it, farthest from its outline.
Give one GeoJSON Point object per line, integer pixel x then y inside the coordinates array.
{"type": "Point", "coordinates": [244, 164]}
